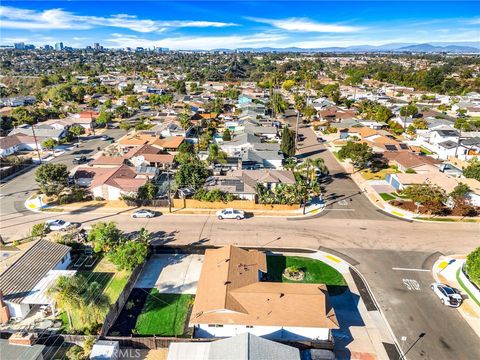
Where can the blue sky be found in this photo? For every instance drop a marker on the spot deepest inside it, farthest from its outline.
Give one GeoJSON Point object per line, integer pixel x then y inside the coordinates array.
{"type": "Point", "coordinates": [232, 24]}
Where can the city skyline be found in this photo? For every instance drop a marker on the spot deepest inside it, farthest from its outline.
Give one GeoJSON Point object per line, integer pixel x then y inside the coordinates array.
{"type": "Point", "coordinates": [214, 25]}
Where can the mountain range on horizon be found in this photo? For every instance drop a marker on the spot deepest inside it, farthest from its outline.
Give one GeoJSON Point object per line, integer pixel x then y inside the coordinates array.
{"type": "Point", "coordinates": [433, 47]}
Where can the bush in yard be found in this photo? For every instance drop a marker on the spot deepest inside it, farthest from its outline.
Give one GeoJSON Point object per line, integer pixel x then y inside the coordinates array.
{"type": "Point", "coordinates": [75, 352]}
{"type": "Point", "coordinates": [214, 195]}
{"type": "Point", "coordinates": [425, 193]}
{"type": "Point", "coordinates": [191, 174]}
{"type": "Point", "coordinates": [472, 265]}
{"type": "Point", "coordinates": [39, 230]}
{"type": "Point", "coordinates": [360, 154]}
{"type": "Point", "coordinates": [105, 237]}
{"type": "Point", "coordinates": [129, 255]}
{"type": "Point", "coordinates": [473, 169]}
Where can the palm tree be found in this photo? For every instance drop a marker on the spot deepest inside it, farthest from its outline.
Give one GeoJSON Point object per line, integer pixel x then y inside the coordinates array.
{"type": "Point", "coordinates": [65, 294]}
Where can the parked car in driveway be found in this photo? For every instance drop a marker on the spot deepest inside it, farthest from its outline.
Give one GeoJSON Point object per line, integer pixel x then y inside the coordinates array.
{"type": "Point", "coordinates": [448, 296]}
{"type": "Point", "coordinates": [57, 225]}
{"type": "Point", "coordinates": [80, 160]}
{"type": "Point", "coordinates": [144, 213]}
{"type": "Point", "coordinates": [106, 138]}
{"type": "Point", "coordinates": [230, 214]}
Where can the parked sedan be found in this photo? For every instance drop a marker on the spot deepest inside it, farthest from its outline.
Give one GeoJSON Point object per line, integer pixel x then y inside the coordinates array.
{"type": "Point", "coordinates": [144, 213]}
{"type": "Point", "coordinates": [230, 214]}
{"type": "Point", "coordinates": [79, 160]}
{"type": "Point", "coordinates": [105, 138]}
{"type": "Point", "coordinates": [448, 296]}
{"type": "Point", "coordinates": [57, 225]}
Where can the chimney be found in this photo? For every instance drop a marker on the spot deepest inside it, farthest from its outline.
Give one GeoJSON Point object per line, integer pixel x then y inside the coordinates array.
{"type": "Point", "coordinates": [22, 338]}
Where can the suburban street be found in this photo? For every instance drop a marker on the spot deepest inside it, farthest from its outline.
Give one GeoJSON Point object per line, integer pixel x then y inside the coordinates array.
{"type": "Point", "coordinates": [350, 227]}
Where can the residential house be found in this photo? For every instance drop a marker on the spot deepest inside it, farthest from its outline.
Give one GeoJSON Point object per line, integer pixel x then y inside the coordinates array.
{"type": "Point", "coordinates": [11, 144]}
{"type": "Point", "coordinates": [247, 347]}
{"type": "Point", "coordinates": [41, 131]}
{"type": "Point", "coordinates": [85, 119]}
{"type": "Point", "coordinates": [110, 183]}
{"type": "Point", "coordinates": [400, 181]}
{"type": "Point", "coordinates": [405, 160]}
{"type": "Point", "coordinates": [137, 139]}
{"type": "Point", "coordinates": [242, 183]}
{"type": "Point", "coordinates": [442, 135]}
{"type": "Point", "coordinates": [169, 144]}
{"type": "Point", "coordinates": [149, 155]}
{"type": "Point", "coordinates": [231, 300]}
{"type": "Point", "coordinates": [24, 284]}
{"type": "Point", "coordinates": [107, 161]}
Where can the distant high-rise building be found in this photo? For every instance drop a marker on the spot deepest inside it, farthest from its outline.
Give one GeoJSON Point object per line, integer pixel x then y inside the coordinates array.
{"type": "Point", "coordinates": [59, 46]}
{"type": "Point", "coordinates": [48, 47]}
{"type": "Point", "coordinates": [19, 46]}
{"type": "Point", "coordinates": [97, 46]}
{"type": "Point", "coordinates": [30, 47]}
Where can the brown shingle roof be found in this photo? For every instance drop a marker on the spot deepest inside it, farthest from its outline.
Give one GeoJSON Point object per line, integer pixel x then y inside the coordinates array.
{"type": "Point", "coordinates": [108, 160]}
{"type": "Point", "coordinates": [171, 142]}
{"type": "Point", "coordinates": [229, 292]}
{"type": "Point", "coordinates": [22, 276]}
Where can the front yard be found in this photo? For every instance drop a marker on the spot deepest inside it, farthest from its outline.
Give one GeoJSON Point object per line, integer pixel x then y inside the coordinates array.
{"type": "Point", "coordinates": [316, 271]}
{"type": "Point", "coordinates": [369, 174]}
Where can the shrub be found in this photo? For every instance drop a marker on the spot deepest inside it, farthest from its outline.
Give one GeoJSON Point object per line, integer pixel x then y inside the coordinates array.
{"type": "Point", "coordinates": [410, 171]}
{"type": "Point", "coordinates": [214, 195]}
{"type": "Point", "coordinates": [472, 265]}
{"type": "Point", "coordinates": [39, 230]}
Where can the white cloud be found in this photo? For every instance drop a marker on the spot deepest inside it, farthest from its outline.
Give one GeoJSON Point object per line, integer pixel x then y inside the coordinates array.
{"type": "Point", "coordinates": [58, 19]}
{"type": "Point", "coordinates": [306, 25]}
{"type": "Point", "coordinates": [201, 42]}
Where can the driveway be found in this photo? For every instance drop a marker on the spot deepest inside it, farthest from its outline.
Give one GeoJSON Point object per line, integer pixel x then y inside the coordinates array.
{"type": "Point", "coordinates": [172, 273]}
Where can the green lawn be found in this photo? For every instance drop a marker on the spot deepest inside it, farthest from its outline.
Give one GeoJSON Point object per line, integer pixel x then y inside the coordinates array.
{"type": "Point", "coordinates": [316, 271]}
{"type": "Point", "coordinates": [387, 197]}
{"type": "Point", "coordinates": [164, 314]}
{"type": "Point", "coordinates": [111, 283]}
{"type": "Point", "coordinates": [425, 151]}
{"type": "Point", "coordinates": [368, 174]}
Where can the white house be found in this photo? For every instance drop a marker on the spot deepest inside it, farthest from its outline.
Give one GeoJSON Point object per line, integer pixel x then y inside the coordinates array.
{"type": "Point", "coordinates": [232, 300]}
{"type": "Point", "coordinates": [25, 283]}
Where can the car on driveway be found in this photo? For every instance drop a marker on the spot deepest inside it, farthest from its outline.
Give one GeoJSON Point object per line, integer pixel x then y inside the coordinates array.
{"type": "Point", "coordinates": [448, 296]}
{"type": "Point", "coordinates": [230, 214]}
{"type": "Point", "coordinates": [80, 160]}
{"type": "Point", "coordinates": [320, 140]}
{"type": "Point", "coordinates": [144, 213]}
{"type": "Point", "coordinates": [57, 225]}
{"type": "Point", "coordinates": [105, 138]}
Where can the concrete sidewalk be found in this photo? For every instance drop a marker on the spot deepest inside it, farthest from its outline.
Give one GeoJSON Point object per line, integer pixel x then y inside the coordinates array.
{"type": "Point", "coordinates": [445, 270]}
{"type": "Point", "coordinates": [362, 333]}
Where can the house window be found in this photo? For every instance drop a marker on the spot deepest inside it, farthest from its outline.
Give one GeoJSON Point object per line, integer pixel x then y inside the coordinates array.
{"type": "Point", "coordinates": [249, 326]}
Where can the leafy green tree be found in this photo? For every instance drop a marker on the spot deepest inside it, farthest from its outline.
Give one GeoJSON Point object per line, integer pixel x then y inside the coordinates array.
{"type": "Point", "coordinates": [191, 174]}
{"type": "Point", "coordinates": [407, 111]}
{"type": "Point", "coordinates": [472, 171]}
{"type": "Point", "coordinates": [186, 153]}
{"type": "Point", "coordinates": [122, 111]}
{"type": "Point", "coordinates": [51, 178]}
{"type": "Point", "coordinates": [227, 135]}
{"type": "Point", "coordinates": [288, 84]}
{"type": "Point", "coordinates": [129, 255]}
{"type": "Point", "coordinates": [460, 191]}
{"type": "Point", "coordinates": [472, 265]}
{"type": "Point", "coordinates": [104, 118]}
{"type": "Point", "coordinates": [132, 102]}
{"type": "Point", "coordinates": [105, 237]}
{"type": "Point", "coordinates": [215, 155]}
{"type": "Point", "coordinates": [185, 120]}
{"type": "Point", "coordinates": [76, 352]}
{"type": "Point", "coordinates": [22, 115]}
{"type": "Point", "coordinates": [180, 87]}
{"type": "Point", "coordinates": [49, 144]}
{"type": "Point", "coordinates": [39, 230]}
{"type": "Point", "coordinates": [287, 145]}
{"type": "Point", "coordinates": [76, 130]}
{"type": "Point", "coordinates": [360, 154]}
{"type": "Point", "coordinates": [147, 191]}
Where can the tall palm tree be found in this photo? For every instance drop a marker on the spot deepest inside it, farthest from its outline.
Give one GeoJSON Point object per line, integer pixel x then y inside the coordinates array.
{"type": "Point", "coordinates": [65, 294]}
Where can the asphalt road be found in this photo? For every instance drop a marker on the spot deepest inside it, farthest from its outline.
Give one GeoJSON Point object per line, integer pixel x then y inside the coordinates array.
{"type": "Point", "coordinates": [373, 241]}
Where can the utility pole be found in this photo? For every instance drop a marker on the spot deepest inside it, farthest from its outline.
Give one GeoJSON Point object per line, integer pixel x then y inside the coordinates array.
{"type": "Point", "coordinates": [296, 130]}
{"type": "Point", "coordinates": [36, 144]}
{"type": "Point", "coordinates": [169, 191]}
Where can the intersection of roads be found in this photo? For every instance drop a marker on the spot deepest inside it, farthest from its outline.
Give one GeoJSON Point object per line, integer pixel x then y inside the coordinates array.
{"type": "Point", "coordinates": [393, 255]}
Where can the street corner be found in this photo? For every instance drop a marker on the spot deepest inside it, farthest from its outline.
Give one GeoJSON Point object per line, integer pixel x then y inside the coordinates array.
{"type": "Point", "coordinates": [35, 203]}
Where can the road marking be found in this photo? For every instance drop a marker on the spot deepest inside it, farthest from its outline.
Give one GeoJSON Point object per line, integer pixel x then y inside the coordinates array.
{"type": "Point", "coordinates": [409, 269]}
{"type": "Point", "coordinates": [343, 202]}
{"type": "Point", "coordinates": [333, 258]}
{"type": "Point", "coordinates": [411, 284]}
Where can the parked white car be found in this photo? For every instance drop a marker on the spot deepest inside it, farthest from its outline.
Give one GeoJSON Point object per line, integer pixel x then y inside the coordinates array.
{"type": "Point", "coordinates": [230, 214]}
{"type": "Point", "coordinates": [144, 213]}
{"type": "Point", "coordinates": [447, 295]}
{"type": "Point", "coordinates": [57, 225]}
